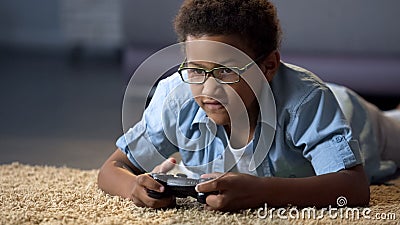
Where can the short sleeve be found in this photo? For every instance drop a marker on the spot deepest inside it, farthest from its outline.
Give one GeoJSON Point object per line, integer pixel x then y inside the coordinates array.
{"type": "Point", "coordinates": [146, 144]}
{"type": "Point", "coordinates": [319, 129]}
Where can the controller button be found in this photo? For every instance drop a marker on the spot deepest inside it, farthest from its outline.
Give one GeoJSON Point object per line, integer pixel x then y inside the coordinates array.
{"type": "Point", "coordinates": [181, 175]}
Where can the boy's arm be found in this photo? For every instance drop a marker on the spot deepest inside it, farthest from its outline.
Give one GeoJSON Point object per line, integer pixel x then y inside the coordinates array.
{"type": "Point", "coordinates": [239, 191]}
{"type": "Point", "coordinates": [118, 176]}
{"type": "Point", "coordinates": [117, 169]}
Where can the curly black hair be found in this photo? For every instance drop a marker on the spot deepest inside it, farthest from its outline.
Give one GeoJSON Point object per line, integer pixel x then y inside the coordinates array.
{"type": "Point", "coordinates": [254, 20]}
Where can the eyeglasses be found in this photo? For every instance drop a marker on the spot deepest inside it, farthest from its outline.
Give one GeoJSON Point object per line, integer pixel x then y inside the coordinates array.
{"type": "Point", "coordinates": [223, 75]}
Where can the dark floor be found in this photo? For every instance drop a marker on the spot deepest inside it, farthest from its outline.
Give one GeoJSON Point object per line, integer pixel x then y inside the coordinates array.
{"type": "Point", "coordinates": [58, 110]}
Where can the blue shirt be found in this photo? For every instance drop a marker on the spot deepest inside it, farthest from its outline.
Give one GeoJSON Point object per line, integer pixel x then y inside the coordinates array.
{"type": "Point", "coordinates": [312, 135]}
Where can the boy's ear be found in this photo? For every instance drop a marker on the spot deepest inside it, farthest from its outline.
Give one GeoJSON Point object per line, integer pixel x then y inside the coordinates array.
{"type": "Point", "coordinates": [270, 65]}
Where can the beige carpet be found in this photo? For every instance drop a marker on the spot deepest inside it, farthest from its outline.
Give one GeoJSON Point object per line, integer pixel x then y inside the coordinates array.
{"type": "Point", "coordinates": [49, 195]}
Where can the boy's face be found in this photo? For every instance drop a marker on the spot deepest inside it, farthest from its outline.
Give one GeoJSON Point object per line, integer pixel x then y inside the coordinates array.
{"type": "Point", "coordinates": [224, 103]}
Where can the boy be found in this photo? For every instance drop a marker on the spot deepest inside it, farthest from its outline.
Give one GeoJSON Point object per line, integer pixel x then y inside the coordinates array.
{"type": "Point", "coordinates": [316, 155]}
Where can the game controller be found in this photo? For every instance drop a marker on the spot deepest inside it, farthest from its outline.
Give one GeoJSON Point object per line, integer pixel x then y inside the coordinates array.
{"type": "Point", "coordinates": [178, 185]}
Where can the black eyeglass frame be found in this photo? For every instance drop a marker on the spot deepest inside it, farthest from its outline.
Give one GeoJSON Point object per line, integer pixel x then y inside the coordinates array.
{"type": "Point", "coordinates": [238, 71]}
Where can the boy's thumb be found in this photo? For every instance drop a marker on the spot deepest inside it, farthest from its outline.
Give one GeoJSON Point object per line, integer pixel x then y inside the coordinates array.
{"type": "Point", "coordinates": [166, 166]}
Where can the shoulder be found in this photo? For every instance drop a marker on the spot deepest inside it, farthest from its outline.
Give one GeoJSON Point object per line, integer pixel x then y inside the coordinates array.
{"type": "Point", "coordinates": [170, 83]}
{"type": "Point", "coordinates": [294, 85]}
{"type": "Point", "coordinates": [172, 99]}
{"type": "Point", "coordinates": [172, 91]}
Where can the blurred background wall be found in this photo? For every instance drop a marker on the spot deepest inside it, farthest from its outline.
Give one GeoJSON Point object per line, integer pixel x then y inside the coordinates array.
{"type": "Point", "coordinates": [311, 26]}
{"type": "Point", "coordinates": [64, 65]}
{"type": "Point", "coordinates": [347, 42]}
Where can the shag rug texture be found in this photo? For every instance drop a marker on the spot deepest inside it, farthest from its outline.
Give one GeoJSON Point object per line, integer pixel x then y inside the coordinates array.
{"type": "Point", "coordinates": [50, 195]}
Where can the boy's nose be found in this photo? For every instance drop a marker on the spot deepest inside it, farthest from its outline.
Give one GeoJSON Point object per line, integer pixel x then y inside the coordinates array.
{"type": "Point", "coordinates": [210, 86]}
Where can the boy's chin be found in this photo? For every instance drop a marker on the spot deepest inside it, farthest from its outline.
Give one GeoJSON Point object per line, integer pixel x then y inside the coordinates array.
{"type": "Point", "coordinates": [219, 119]}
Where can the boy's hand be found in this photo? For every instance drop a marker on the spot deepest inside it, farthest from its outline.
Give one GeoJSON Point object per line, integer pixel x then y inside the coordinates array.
{"type": "Point", "coordinates": [144, 182]}
{"type": "Point", "coordinates": [140, 197]}
{"type": "Point", "coordinates": [236, 191]}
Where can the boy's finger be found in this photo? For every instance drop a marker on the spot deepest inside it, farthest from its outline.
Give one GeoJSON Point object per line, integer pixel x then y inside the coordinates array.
{"type": "Point", "coordinates": [214, 185]}
{"type": "Point", "coordinates": [211, 175]}
{"type": "Point", "coordinates": [166, 202]}
{"type": "Point", "coordinates": [146, 181]}
{"type": "Point", "coordinates": [208, 186]}
{"type": "Point", "coordinates": [161, 202]}
{"type": "Point", "coordinates": [166, 166]}
{"type": "Point", "coordinates": [212, 201]}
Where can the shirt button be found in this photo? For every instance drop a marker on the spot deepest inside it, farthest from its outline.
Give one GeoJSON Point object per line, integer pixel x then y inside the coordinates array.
{"type": "Point", "coordinates": [339, 139]}
{"type": "Point", "coordinates": [219, 156]}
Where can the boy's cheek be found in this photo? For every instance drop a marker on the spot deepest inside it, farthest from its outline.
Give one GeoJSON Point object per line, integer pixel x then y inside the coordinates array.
{"type": "Point", "coordinates": [196, 89]}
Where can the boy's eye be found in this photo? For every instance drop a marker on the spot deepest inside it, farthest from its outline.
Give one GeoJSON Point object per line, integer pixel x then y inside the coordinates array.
{"type": "Point", "coordinates": [196, 71]}
{"type": "Point", "coordinates": [227, 71]}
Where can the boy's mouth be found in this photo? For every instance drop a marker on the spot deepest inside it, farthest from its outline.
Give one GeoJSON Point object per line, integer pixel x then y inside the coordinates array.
{"type": "Point", "coordinates": [212, 104]}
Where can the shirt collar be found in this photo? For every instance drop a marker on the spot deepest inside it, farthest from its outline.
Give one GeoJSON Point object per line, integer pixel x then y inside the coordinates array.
{"type": "Point", "coordinates": [267, 106]}
{"type": "Point", "coordinates": [200, 117]}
